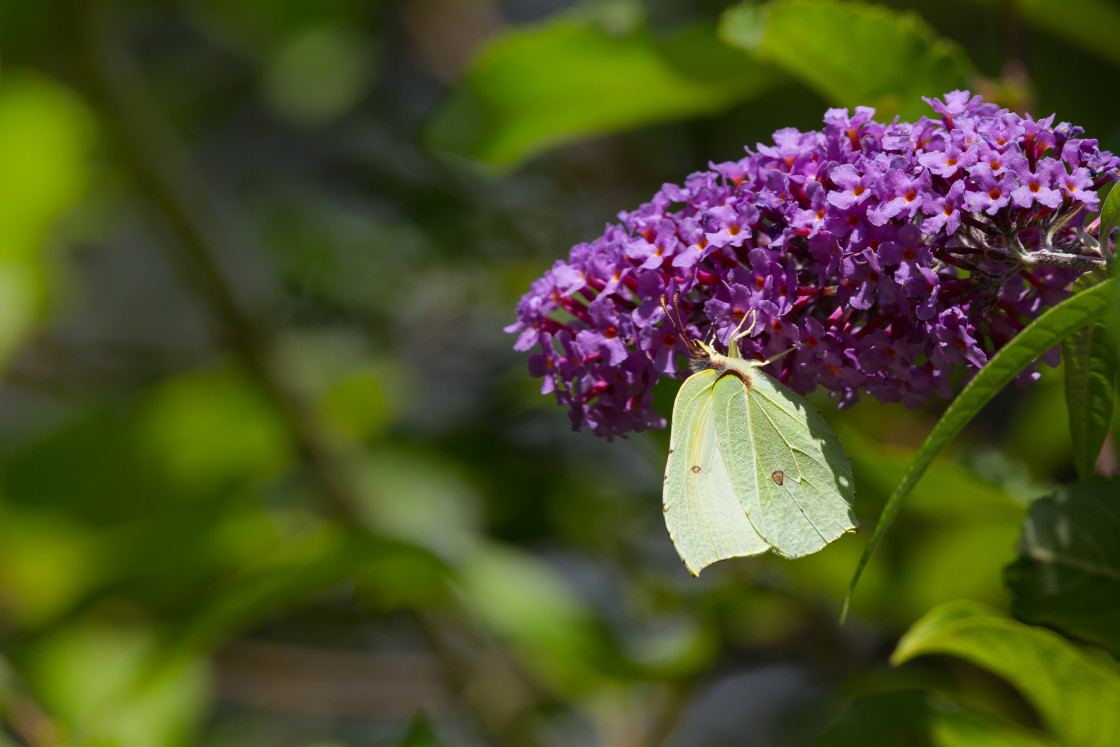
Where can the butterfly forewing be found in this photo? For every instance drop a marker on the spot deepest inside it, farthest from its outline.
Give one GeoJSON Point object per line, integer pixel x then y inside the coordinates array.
{"type": "Point", "coordinates": [790, 472]}
{"type": "Point", "coordinates": [705, 520]}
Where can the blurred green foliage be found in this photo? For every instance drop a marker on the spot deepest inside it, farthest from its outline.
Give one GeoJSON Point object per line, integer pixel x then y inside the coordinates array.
{"type": "Point", "coordinates": [568, 79]}
{"type": "Point", "coordinates": [45, 143]}
{"type": "Point", "coordinates": [338, 511]}
{"type": "Point", "coordinates": [825, 44]}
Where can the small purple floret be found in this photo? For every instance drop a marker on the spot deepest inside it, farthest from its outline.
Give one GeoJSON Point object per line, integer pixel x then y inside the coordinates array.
{"type": "Point", "coordinates": [861, 245]}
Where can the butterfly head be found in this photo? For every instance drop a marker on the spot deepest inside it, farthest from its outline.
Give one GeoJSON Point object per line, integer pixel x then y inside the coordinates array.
{"type": "Point", "coordinates": [699, 352]}
{"type": "Point", "coordinates": [702, 355]}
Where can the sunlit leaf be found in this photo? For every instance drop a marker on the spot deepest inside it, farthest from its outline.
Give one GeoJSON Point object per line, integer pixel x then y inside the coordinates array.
{"type": "Point", "coordinates": [94, 677]}
{"type": "Point", "coordinates": [1077, 697]}
{"type": "Point", "coordinates": [46, 138]}
{"type": "Point", "coordinates": [210, 427]}
{"type": "Point", "coordinates": [538, 613]}
{"type": "Point", "coordinates": [852, 53]}
{"type": "Point", "coordinates": [1039, 336]}
{"type": "Point", "coordinates": [537, 87]}
{"type": "Point", "coordinates": [47, 563]}
{"type": "Point", "coordinates": [1089, 357]}
{"type": "Point", "coordinates": [1068, 575]}
{"type": "Point", "coordinates": [417, 497]}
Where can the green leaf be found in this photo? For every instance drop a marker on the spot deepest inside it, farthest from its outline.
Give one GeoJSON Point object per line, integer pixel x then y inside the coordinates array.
{"type": "Point", "coordinates": [1077, 697]}
{"type": "Point", "coordinates": [957, 535]}
{"type": "Point", "coordinates": [1110, 216]}
{"type": "Point", "coordinates": [94, 678]}
{"type": "Point", "coordinates": [1113, 316]}
{"type": "Point", "coordinates": [534, 610]}
{"type": "Point", "coordinates": [1068, 575]}
{"type": "Point", "coordinates": [535, 88]}
{"type": "Point", "coordinates": [1088, 24]}
{"type": "Point", "coordinates": [46, 141]}
{"type": "Point", "coordinates": [1039, 336]}
{"type": "Point", "coordinates": [826, 45]}
{"type": "Point", "coordinates": [391, 572]}
{"type": "Point", "coordinates": [319, 75]}
{"type": "Point", "coordinates": [1090, 366]}
{"type": "Point", "coordinates": [921, 720]}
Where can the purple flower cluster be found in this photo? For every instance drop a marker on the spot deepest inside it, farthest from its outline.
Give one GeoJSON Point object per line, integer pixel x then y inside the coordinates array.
{"type": "Point", "coordinates": [887, 254]}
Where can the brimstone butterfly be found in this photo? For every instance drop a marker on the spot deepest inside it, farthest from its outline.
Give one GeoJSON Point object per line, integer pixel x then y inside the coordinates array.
{"type": "Point", "coordinates": [752, 465]}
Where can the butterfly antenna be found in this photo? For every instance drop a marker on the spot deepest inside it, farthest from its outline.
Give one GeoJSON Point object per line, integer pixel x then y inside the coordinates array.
{"type": "Point", "coordinates": [675, 318]}
{"type": "Point", "coordinates": [668, 314]}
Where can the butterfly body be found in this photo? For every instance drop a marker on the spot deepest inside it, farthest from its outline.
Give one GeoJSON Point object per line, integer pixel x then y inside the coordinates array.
{"type": "Point", "coordinates": [752, 466]}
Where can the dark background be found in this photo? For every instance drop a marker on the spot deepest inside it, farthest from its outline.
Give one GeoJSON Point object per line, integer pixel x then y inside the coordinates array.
{"type": "Point", "coordinates": [271, 473]}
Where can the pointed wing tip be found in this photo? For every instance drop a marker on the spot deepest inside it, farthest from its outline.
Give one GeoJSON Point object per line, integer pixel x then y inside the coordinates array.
{"type": "Point", "coordinates": [695, 571]}
{"type": "Point", "coordinates": [795, 555]}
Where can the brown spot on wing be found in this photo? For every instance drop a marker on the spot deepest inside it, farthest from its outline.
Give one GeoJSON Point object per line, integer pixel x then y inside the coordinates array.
{"type": "Point", "coordinates": [778, 476]}
{"type": "Point", "coordinates": [696, 468]}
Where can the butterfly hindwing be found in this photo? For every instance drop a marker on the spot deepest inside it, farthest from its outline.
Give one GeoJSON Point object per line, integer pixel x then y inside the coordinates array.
{"type": "Point", "coordinates": [794, 479]}
{"type": "Point", "coordinates": [706, 521]}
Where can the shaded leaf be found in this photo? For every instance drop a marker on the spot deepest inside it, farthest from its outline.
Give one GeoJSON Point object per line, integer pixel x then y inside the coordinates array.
{"type": "Point", "coordinates": [825, 43]}
{"type": "Point", "coordinates": [920, 720]}
{"type": "Point", "coordinates": [393, 573]}
{"type": "Point", "coordinates": [1089, 358]}
{"type": "Point", "coordinates": [957, 535]}
{"type": "Point", "coordinates": [319, 75]}
{"type": "Point", "coordinates": [534, 88]}
{"type": "Point", "coordinates": [1110, 217]}
{"type": "Point", "coordinates": [1068, 575]}
{"type": "Point", "coordinates": [420, 733]}
{"type": "Point", "coordinates": [1039, 336]}
{"type": "Point", "coordinates": [158, 498]}
{"type": "Point", "coordinates": [1113, 318]}
{"type": "Point", "coordinates": [1077, 697]}
{"type": "Point", "coordinates": [1089, 24]}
